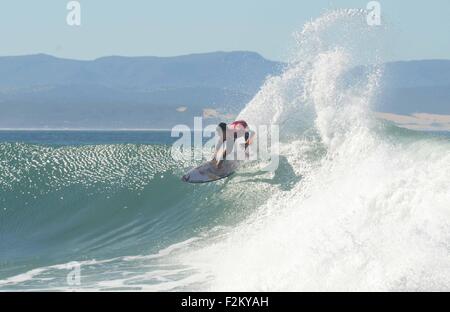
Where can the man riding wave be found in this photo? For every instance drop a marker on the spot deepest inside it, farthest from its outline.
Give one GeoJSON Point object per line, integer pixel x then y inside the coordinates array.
{"type": "Point", "coordinates": [228, 134]}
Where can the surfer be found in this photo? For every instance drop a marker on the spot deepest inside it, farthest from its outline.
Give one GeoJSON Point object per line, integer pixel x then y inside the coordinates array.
{"type": "Point", "coordinates": [235, 130]}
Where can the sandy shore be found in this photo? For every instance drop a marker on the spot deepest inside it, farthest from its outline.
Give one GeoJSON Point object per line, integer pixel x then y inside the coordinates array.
{"type": "Point", "coordinates": [419, 121]}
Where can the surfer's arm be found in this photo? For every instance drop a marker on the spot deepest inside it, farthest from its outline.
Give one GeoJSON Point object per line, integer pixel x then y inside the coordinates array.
{"type": "Point", "coordinates": [249, 139]}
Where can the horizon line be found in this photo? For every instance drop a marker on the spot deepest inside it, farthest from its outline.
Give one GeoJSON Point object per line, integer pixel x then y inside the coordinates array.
{"type": "Point", "coordinates": [138, 56]}
{"type": "Point", "coordinates": [89, 129]}
{"type": "Point", "coordinates": [190, 54]}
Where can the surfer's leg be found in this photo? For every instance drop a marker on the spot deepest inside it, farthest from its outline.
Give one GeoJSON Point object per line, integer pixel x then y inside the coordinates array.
{"type": "Point", "coordinates": [224, 154]}
{"type": "Point", "coordinates": [229, 147]}
{"type": "Point", "coordinates": [220, 162]}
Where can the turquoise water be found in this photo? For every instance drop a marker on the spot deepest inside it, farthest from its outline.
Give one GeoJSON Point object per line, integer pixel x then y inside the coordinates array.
{"type": "Point", "coordinates": [80, 195]}
{"type": "Point", "coordinates": [89, 197]}
{"type": "Point", "coordinates": [86, 137]}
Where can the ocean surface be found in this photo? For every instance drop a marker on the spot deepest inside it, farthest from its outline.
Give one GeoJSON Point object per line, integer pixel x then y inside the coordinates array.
{"type": "Point", "coordinates": [355, 204]}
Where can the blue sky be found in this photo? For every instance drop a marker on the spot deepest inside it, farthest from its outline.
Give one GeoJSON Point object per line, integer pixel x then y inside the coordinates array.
{"type": "Point", "coordinates": [419, 29]}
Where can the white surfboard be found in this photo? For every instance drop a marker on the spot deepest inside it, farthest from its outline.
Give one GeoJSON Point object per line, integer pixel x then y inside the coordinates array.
{"type": "Point", "coordinates": [208, 172]}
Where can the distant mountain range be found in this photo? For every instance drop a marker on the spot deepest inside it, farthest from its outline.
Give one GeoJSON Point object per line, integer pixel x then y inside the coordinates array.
{"type": "Point", "coordinates": [42, 91]}
{"type": "Point", "coordinates": [414, 87]}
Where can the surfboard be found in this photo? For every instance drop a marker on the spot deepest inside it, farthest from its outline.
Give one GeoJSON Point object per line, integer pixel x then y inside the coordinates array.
{"type": "Point", "coordinates": [208, 172]}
